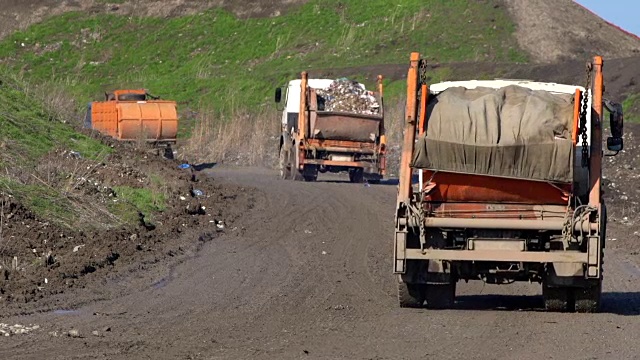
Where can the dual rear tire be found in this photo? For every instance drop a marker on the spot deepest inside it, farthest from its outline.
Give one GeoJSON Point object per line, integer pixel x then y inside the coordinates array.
{"type": "Point", "coordinates": [585, 299]}
{"type": "Point", "coordinates": [432, 296]}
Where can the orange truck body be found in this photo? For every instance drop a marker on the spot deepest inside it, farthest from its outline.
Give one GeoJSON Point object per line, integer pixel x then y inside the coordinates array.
{"type": "Point", "coordinates": [131, 119]}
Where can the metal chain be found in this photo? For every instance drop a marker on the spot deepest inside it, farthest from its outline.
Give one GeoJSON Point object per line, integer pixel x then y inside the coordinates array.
{"type": "Point", "coordinates": [583, 118]}
{"type": "Point", "coordinates": [423, 230]}
{"type": "Point", "coordinates": [422, 72]}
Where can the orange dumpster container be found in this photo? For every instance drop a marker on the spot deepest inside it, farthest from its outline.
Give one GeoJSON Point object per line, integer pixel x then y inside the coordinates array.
{"type": "Point", "coordinates": [154, 120]}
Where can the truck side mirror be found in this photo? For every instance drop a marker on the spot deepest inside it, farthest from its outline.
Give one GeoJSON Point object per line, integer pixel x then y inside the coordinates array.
{"type": "Point", "coordinates": [278, 95]}
{"type": "Point", "coordinates": [616, 122]}
{"type": "Point", "coordinates": [614, 143]}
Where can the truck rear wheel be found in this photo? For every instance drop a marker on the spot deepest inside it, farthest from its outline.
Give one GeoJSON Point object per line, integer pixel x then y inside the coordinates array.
{"type": "Point", "coordinates": [310, 173]}
{"type": "Point", "coordinates": [410, 295]}
{"type": "Point", "coordinates": [440, 296]}
{"type": "Point", "coordinates": [588, 298]}
{"type": "Point", "coordinates": [356, 175]}
{"type": "Point", "coordinates": [557, 299]}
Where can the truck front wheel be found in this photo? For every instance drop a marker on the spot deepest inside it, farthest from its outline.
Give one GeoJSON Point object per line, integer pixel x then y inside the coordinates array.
{"type": "Point", "coordinates": [285, 166]}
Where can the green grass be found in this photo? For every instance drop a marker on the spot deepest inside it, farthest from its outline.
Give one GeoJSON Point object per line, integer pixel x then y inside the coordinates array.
{"type": "Point", "coordinates": [28, 130]}
{"type": "Point", "coordinates": [227, 63]}
{"type": "Point", "coordinates": [137, 200]}
{"type": "Point", "coordinates": [631, 107]}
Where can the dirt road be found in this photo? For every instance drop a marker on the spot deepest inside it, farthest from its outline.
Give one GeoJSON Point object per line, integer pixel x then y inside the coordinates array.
{"type": "Point", "coordinates": [310, 278]}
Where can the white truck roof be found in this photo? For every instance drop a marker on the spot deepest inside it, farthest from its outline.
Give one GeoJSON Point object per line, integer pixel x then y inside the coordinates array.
{"type": "Point", "coordinates": [500, 83]}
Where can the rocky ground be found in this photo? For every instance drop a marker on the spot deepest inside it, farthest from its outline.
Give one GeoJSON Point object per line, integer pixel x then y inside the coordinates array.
{"type": "Point", "coordinates": [622, 193]}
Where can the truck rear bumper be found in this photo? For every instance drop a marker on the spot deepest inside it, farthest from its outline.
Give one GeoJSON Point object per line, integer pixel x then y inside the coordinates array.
{"type": "Point", "coordinates": [359, 164]}
{"type": "Point", "coordinates": [498, 255]}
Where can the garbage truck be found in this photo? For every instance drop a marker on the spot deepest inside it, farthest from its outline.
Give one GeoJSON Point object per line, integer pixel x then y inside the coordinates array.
{"type": "Point", "coordinates": [332, 126]}
{"type": "Point", "coordinates": [134, 114]}
{"type": "Point", "coordinates": [508, 188]}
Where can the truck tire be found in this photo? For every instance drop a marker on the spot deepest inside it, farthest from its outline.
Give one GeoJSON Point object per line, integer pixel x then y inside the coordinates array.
{"type": "Point", "coordinates": [557, 299]}
{"type": "Point", "coordinates": [410, 295]}
{"type": "Point", "coordinates": [440, 296]}
{"type": "Point", "coordinates": [310, 173]}
{"type": "Point", "coordinates": [588, 298]}
{"type": "Point", "coordinates": [356, 175]}
{"type": "Point", "coordinates": [294, 174]}
{"type": "Point", "coordinates": [285, 166]}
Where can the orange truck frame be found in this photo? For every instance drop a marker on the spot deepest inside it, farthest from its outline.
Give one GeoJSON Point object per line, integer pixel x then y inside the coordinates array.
{"type": "Point", "coordinates": [130, 115]}
{"type": "Point", "coordinates": [461, 226]}
{"type": "Point", "coordinates": [314, 140]}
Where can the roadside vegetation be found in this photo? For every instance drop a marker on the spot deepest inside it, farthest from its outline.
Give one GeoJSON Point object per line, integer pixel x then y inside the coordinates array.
{"type": "Point", "coordinates": [631, 108]}
{"type": "Point", "coordinates": [49, 164]}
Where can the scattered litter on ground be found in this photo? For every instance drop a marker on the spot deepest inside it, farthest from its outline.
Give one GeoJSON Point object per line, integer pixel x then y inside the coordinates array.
{"type": "Point", "coordinates": [17, 329]}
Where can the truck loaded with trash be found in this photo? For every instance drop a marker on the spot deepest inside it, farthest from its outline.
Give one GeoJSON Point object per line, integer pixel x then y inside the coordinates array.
{"type": "Point", "coordinates": [509, 188]}
{"type": "Point", "coordinates": [332, 126]}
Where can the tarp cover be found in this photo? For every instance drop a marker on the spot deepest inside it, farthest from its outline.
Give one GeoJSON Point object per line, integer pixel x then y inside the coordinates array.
{"type": "Point", "coordinates": [510, 132]}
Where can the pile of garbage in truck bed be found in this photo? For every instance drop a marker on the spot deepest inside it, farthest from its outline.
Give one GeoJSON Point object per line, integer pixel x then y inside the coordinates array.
{"type": "Point", "coordinates": [346, 95]}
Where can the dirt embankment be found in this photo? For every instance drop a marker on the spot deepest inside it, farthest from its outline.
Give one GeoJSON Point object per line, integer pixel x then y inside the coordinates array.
{"type": "Point", "coordinates": [43, 263]}
{"type": "Point", "coordinates": [560, 30]}
{"type": "Point", "coordinates": [621, 181]}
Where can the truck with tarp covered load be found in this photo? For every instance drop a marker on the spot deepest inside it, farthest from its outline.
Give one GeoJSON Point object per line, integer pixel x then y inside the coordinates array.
{"type": "Point", "coordinates": [509, 188]}
{"type": "Point", "coordinates": [332, 126]}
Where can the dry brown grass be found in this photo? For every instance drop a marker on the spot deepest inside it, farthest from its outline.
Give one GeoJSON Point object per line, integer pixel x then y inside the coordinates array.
{"type": "Point", "coordinates": [251, 139]}
{"type": "Point", "coordinates": [393, 118]}
{"type": "Point", "coordinates": [244, 138]}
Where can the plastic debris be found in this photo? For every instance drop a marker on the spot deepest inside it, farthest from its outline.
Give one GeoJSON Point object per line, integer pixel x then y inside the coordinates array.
{"type": "Point", "coordinates": [184, 166]}
{"type": "Point", "coordinates": [347, 96]}
{"type": "Point", "coordinates": [196, 192]}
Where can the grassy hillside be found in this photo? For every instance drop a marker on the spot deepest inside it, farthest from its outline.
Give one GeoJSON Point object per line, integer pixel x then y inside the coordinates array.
{"type": "Point", "coordinates": [226, 63]}
{"type": "Point", "coordinates": [61, 174]}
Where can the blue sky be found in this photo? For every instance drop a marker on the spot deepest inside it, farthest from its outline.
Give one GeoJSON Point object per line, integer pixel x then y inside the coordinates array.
{"type": "Point", "coordinates": [623, 13]}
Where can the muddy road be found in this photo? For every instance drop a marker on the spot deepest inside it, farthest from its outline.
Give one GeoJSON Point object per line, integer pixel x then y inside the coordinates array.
{"type": "Point", "coordinates": [310, 278]}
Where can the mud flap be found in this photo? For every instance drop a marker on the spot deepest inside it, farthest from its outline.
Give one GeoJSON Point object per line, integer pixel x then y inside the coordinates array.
{"type": "Point", "coordinates": [594, 257]}
{"type": "Point", "coordinates": [399, 253]}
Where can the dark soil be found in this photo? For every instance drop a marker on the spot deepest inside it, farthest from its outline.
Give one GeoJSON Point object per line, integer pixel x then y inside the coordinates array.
{"type": "Point", "coordinates": [621, 179]}
{"type": "Point", "coordinates": [42, 262]}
